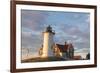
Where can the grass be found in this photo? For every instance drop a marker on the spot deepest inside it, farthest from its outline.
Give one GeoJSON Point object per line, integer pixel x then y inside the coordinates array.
{"type": "Point", "coordinates": [38, 59]}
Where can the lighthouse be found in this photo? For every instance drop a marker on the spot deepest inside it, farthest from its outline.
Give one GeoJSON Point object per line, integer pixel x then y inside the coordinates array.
{"type": "Point", "coordinates": [48, 42]}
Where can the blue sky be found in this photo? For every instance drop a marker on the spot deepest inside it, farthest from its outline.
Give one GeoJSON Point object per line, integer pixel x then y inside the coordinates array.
{"type": "Point", "coordinates": [68, 26]}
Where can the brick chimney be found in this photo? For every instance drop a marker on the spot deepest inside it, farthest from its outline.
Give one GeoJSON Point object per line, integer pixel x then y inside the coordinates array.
{"type": "Point", "coordinates": [65, 43]}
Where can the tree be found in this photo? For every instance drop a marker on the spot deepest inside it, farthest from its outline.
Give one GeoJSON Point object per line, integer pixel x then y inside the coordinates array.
{"type": "Point", "coordinates": [88, 56]}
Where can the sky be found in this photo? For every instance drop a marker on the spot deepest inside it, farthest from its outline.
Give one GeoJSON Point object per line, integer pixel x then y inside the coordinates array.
{"type": "Point", "coordinates": [71, 27]}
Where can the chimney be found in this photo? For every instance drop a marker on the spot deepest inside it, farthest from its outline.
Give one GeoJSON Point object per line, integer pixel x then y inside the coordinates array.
{"type": "Point", "coordinates": [65, 43]}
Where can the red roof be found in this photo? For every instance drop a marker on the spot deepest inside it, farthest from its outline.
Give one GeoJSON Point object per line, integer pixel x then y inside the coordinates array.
{"type": "Point", "coordinates": [77, 57]}
{"type": "Point", "coordinates": [64, 48]}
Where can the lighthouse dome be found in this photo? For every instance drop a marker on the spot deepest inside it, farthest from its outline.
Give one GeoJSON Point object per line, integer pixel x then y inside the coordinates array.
{"type": "Point", "coordinates": [49, 29]}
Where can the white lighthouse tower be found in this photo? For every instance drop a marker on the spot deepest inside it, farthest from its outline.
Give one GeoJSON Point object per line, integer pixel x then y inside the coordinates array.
{"type": "Point", "coordinates": [47, 50]}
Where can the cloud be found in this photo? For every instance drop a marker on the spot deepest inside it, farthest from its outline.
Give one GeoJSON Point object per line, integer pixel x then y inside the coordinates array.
{"type": "Point", "coordinates": [32, 28]}
{"type": "Point", "coordinates": [33, 20]}
{"type": "Point", "coordinates": [73, 33]}
{"type": "Point", "coordinates": [69, 26]}
{"type": "Point", "coordinates": [30, 42]}
{"type": "Point", "coordinates": [82, 52]}
{"type": "Point", "coordinates": [30, 54]}
{"type": "Point", "coordinates": [85, 50]}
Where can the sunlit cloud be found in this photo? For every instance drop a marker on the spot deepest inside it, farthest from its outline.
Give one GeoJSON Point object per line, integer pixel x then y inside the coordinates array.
{"type": "Point", "coordinates": [68, 26]}
{"type": "Point", "coordinates": [82, 52]}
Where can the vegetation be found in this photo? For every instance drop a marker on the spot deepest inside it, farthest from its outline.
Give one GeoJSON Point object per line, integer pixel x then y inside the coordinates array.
{"type": "Point", "coordinates": [38, 59]}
